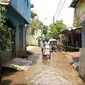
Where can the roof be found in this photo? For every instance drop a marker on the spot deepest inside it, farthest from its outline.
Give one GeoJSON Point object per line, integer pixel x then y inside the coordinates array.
{"type": "Point", "coordinates": [74, 3]}
{"type": "Point", "coordinates": [64, 31]}
{"type": "Point", "coordinates": [51, 40]}
{"type": "Point", "coordinates": [3, 3]}
{"type": "Point", "coordinates": [33, 14]}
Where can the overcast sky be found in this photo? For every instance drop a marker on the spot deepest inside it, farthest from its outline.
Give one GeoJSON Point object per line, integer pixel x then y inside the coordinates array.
{"type": "Point", "coordinates": [46, 10]}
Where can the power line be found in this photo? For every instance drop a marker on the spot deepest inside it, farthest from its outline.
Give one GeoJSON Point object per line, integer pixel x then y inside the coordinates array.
{"type": "Point", "coordinates": [59, 9]}
{"type": "Point", "coordinates": [58, 6]}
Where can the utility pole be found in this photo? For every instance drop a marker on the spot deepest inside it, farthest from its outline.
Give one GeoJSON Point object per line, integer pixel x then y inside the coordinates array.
{"type": "Point", "coordinates": [53, 19]}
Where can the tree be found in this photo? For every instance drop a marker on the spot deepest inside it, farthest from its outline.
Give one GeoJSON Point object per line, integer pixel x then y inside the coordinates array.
{"type": "Point", "coordinates": [56, 28]}
{"type": "Point", "coordinates": [5, 32]}
{"type": "Point", "coordinates": [35, 26]}
{"type": "Point", "coordinates": [45, 29]}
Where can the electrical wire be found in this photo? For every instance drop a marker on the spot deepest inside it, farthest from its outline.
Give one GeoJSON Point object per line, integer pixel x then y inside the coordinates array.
{"type": "Point", "coordinates": [59, 9]}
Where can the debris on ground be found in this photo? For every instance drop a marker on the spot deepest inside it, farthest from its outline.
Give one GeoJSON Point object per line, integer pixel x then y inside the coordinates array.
{"type": "Point", "coordinates": [18, 64]}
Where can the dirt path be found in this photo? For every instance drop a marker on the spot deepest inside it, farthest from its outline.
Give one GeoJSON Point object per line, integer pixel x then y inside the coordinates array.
{"type": "Point", "coordinates": [56, 71]}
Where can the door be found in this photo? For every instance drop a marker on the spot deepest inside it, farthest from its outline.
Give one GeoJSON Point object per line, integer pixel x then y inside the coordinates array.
{"type": "Point", "coordinates": [20, 40]}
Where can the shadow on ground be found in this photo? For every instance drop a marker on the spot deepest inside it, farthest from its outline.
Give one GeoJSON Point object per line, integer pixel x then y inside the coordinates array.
{"type": "Point", "coordinates": [19, 84]}
{"type": "Point", "coordinates": [6, 82]}
{"type": "Point", "coordinates": [8, 71]}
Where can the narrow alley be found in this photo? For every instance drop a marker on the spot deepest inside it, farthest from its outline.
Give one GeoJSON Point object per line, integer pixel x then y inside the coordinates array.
{"type": "Point", "coordinates": [56, 71]}
{"type": "Point", "coordinates": [42, 42]}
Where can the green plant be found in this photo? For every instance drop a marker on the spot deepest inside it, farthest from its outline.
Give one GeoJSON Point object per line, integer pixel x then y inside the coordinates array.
{"type": "Point", "coordinates": [40, 38]}
{"type": "Point", "coordinates": [76, 22]}
{"type": "Point", "coordinates": [56, 28]}
{"type": "Point", "coordinates": [5, 32]}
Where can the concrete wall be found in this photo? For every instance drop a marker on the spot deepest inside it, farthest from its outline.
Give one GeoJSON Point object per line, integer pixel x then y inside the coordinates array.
{"type": "Point", "coordinates": [82, 53]}
{"type": "Point", "coordinates": [80, 15]}
{"type": "Point", "coordinates": [32, 39]}
{"type": "Point", "coordinates": [82, 62]}
{"type": "Point", "coordinates": [5, 56]}
{"type": "Point", "coordinates": [17, 20]}
{"type": "Point", "coordinates": [83, 34]}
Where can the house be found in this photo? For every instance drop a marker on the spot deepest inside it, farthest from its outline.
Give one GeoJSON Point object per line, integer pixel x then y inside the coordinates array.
{"type": "Point", "coordinates": [18, 16]}
{"type": "Point", "coordinates": [31, 33]}
{"type": "Point", "coordinates": [71, 38]}
{"type": "Point", "coordinates": [79, 14]}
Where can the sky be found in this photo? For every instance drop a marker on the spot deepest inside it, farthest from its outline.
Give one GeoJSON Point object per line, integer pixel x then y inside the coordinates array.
{"type": "Point", "coordinates": [46, 9]}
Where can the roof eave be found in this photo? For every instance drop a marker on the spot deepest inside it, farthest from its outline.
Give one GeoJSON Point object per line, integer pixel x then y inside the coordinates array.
{"type": "Point", "coordinates": [74, 3]}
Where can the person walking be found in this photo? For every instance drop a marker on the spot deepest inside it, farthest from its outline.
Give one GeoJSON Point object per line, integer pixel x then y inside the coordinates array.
{"type": "Point", "coordinates": [42, 43]}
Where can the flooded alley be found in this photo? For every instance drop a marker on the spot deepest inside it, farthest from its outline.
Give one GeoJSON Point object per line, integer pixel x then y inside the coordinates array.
{"type": "Point", "coordinates": [56, 71]}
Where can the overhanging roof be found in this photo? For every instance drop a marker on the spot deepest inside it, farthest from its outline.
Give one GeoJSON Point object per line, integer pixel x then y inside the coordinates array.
{"type": "Point", "coordinates": [74, 3]}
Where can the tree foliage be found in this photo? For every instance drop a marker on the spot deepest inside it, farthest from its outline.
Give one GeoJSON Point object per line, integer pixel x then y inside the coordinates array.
{"type": "Point", "coordinates": [76, 22]}
{"type": "Point", "coordinates": [56, 28]}
{"type": "Point", "coordinates": [35, 25]}
{"type": "Point", "coordinates": [45, 29]}
{"type": "Point", "coordinates": [5, 32]}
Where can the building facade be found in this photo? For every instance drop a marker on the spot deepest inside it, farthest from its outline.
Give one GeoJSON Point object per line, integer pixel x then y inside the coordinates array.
{"type": "Point", "coordinates": [31, 33]}
{"type": "Point", "coordinates": [79, 6]}
{"type": "Point", "coordinates": [18, 16]}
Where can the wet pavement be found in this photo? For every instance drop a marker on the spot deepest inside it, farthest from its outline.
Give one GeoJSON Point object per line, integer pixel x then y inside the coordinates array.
{"type": "Point", "coordinates": [56, 71]}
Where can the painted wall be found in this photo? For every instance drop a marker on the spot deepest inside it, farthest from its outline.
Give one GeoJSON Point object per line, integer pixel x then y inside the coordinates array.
{"type": "Point", "coordinates": [23, 8]}
{"type": "Point", "coordinates": [16, 19]}
{"type": "Point", "coordinates": [5, 56]}
{"type": "Point", "coordinates": [32, 39]}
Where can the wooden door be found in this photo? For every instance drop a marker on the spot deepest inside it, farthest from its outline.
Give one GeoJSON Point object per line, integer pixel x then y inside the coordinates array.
{"type": "Point", "coordinates": [20, 39]}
